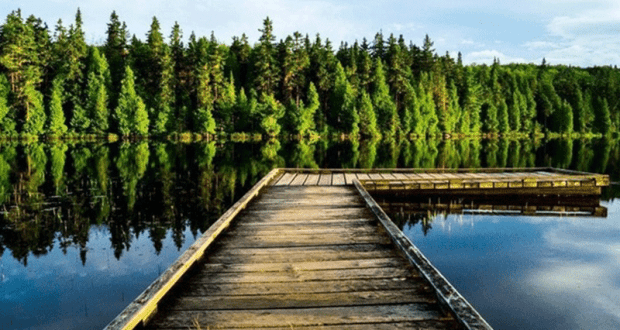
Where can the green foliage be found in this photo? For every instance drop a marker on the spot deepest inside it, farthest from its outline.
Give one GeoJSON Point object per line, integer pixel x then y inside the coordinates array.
{"type": "Point", "coordinates": [130, 114]}
{"type": "Point", "coordinates": [306, 124]}
{"type": "Point", "coordinates": [7, 125]}
{"type": "Point", "coordinates": [368, 120]}
{"type": "Point", "coordinates": [210, 87]}
{"type": "Point", "coordinates": [343, 115]}
{"type": "Point", "coordinates": [35, 118]}
{"type": "Point", "coordinates": [270, 111]}
{"type": "Point", "coordinates": [56, 124]}
{"type": "Point", "coordinates": [387, 116]}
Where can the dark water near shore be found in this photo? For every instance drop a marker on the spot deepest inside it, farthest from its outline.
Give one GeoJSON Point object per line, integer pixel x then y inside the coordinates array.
{"type": "Point", "coordinates": [84, 228]}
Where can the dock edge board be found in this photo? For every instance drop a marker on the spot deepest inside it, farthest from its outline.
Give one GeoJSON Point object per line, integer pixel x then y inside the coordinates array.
{"type": "Point", "coordinates": [145, 305]}
{"type": "Point", "coordinates": [463, 311]}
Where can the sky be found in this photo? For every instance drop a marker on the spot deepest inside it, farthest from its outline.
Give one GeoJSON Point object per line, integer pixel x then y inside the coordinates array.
{"type": "Point", "coordinates": [570, 32]}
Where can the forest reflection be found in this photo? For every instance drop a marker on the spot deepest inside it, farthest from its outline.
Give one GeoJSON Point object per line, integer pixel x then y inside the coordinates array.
{"type": "Point", "coordinates": [54, 192]}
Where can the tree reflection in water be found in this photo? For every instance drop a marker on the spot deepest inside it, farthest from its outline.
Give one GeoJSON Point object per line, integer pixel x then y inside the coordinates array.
{"type": "Point", "coordinates": [56, 192]}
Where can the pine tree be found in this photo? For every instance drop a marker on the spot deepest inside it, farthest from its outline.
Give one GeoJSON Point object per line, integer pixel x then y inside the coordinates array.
{"type": "Point", "coordinates": [343, 114]}
{"type": "Point", "coordinates": [368, 120]}
{"type": "Point", "coordinates": [19, 59]}
{"type": "Point", "coordinates": [271, 111]}
{"type": "Point", "coordinates": [265, 65]}
{"type": "Point", "coordinates": [56, 123]}
{"type": "Point", "coordinates": [7, 124]}
{"type": "Point", "coordinates": [98, 82]}
{"type": "Point", "coordinates": [502, 117]}
{"type": "Point", "coordinates": [387, 116]}
{"type": "Point", "coordinates": [35, 120]}
{"type": "Point", "coordinates": [306, 124]}
{"type": "Point", "coordinates": [602, 116]}
{"type": "Point", "coordinates": [565, 118]}
{"type": "Point", "coordinates": [130, 114]}
{"type": "Point", "coordinates": [115, 50]}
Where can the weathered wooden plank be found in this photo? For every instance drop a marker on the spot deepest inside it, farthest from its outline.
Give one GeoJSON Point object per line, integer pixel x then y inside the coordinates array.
{"type": "Point", "coordinates": [301, 223]}
{"type": "Point", "coordinates": [263, 215]}
{"type": "Point", "coordinates": [325, 179]}
{"type": "Point", "coordinates": [312, 180]}
{"type": "Point", "coordinates": [303, 240]}
{"type": "Point", "coordinates": [301, 300]}
{"type": "Point", "coordinates": [338, 179]}
{"type": "Point", "coordinates": [307, 256]}
{"type": "Point", "coordinates": [292, 318]}
{"type": "Point", "coordinates": [299, 179]}
{"type": "Point", "coordinates": [388, 176]}
{"type": "Point", "coordinates": [363, 176]}
{"type": "Point", "coordinates": [304, 266]}
{"type": "Point", "coordinates": [286, 179]}
{"type": "Point", "coordinates": [325, 286]}
{"type": "Point", "coordinates": [400, 176]}
{"type": "Point", "coordinates": [349, 177]}
{"type": "Point", "coordinates": [302, 250]}
{"type": "Point", "coordinates": [302, 230]}
{"type": "Point", "coordinates": [375, 176]}
{"type": "Point", "coordinates": [322, 201]}
{"type": "Point", "coordinates": [299, 276]}
{"type": "Point", "coordinates": [305, 190]}
{"type": "Point", "coordinates": [427, 325]}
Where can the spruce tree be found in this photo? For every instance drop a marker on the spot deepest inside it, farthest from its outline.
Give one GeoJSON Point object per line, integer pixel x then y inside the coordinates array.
{"type": "Point", "coordinates": [7, 125]}
{"type": "Point", "coordinates": [130, 114]}
{"type": "Point", "coordinates": [343, 113]}
{"type": "Point", "coordinates": [98, 85]}
{"type": "Point", "coordinates": [56, 123]}
{"type": "Point", "coordinates": [306, 124]}
{"type": "Point", "coordinates": [502, 117]}
{"type": "Point", "coordinates": [265, 65]}
{"type": "Point", "coordinates": [271, 111]}
{"type": "Point", "coordinates": [35, 120]}
{"type": "Point", "coordinates": [387, 116]}
{"type": "Point", "coordinates": [368, 120]}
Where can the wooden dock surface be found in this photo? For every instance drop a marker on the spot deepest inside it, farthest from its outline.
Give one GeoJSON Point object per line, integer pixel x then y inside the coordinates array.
{"type": "Point", "coordinates": [312, 249]}
{"type": "Point", "coordinates": [304, 256]}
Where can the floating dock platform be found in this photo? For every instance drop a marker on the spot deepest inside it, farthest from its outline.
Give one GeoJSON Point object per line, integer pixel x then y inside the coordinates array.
{"type": "Point", "coordinates": [312, 249]}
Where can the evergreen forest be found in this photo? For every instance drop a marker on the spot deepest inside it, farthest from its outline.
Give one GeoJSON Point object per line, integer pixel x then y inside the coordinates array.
{"type": "Point", "coordinates": [53, 84]}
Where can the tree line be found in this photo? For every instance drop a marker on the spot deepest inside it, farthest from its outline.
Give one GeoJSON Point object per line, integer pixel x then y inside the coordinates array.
{"type": "Point", "coordinates": [55, 84]}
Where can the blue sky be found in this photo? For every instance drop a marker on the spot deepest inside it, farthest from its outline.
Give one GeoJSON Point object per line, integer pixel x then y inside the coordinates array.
{"type": "Point", "coordinates": [575, 32]}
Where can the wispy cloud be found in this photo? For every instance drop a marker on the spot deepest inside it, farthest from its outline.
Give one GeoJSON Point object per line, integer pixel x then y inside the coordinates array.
{"type": "Point", "coordinates": [487, 56]}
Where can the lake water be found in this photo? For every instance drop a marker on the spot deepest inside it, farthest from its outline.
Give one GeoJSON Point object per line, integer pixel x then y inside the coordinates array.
{"type": "Point", "coordinates": [84, 228]}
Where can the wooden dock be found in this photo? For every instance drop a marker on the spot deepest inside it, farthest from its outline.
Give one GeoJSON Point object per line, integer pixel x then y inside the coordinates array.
{"type": "Point", "coordinates": [311, 249]}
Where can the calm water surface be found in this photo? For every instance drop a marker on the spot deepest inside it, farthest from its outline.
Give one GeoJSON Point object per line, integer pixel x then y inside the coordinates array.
{"type": "Point", "coordinates": [84, 228]}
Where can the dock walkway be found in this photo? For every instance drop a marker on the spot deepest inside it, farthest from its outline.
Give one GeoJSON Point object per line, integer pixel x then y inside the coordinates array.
{"type": "Point", "coordinates": [303, 256]}
{"type": "Point", "coordinates": [311, 249]}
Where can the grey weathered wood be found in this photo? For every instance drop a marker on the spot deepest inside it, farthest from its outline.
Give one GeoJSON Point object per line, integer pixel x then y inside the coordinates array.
{"type": "Point", "coordinates": [325, 179]}
{"type": "Point", "coordinates": [302, 300]}
{"type": "Point", "coordinates": [342, 285]}
{"type": "Point", "coordinates": [304, 266]}
{"type": "Point", "coordinates": [311, 255]}
{"type": "Point", "coordinates": [338, 179]}
{"type": "Point", "coordinates": [312, 180]}
{"type": "Point", "coordinates": [286, 179]}
{"type": "Point", "coordinates": [349, 177]}
{"type": "Point", "coordinates": [428, 325]}
{"type": "Point", "coordinates": [305, 317]}
{"type": "Point", "coordinates": [299, 180]}
{"type": "Point", "coordinates": [303, 240]}
{"type": "Point", "coordinates": [297, 276]}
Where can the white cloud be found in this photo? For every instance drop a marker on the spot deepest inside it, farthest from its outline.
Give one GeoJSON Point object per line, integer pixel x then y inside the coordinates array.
{"type": "Point", "coordinates": [487, 56]}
